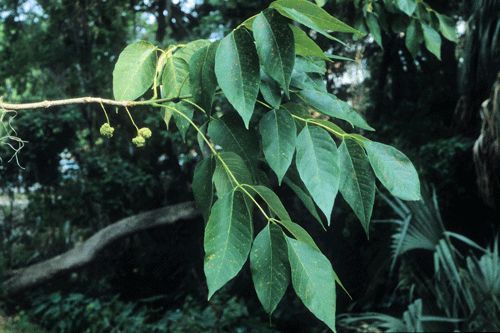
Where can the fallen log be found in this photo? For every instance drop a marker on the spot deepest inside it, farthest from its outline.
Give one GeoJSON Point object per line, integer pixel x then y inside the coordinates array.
{"type": "Point", "coordinates": [83, 253]}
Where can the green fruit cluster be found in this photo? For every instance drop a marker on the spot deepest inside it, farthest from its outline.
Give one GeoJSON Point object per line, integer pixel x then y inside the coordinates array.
{"type": "Point", "coordinates": [142, 135]}
{"type": "Point", "coordinates": [106, 130]}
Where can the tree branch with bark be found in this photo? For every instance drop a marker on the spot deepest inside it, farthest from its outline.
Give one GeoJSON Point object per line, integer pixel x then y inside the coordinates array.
{"type": "Point", "coordinates": [84, 253]}
{"type": "Point", "coordinates": [83, 100]}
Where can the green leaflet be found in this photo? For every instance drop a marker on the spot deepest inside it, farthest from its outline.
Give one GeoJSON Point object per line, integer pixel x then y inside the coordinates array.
{"type": "Point", "coordinates": [237, 72]}
{"type": "Point", "coordinates": [134, 71]}
{"type": "Point", "coordinates": [203, 189]}
{"type": "Point", "coordinates": [181, 122]}
{"type": "Point", "coordinates": [202, 76]}
{"type": "Point", "coordinates": [228, 239]}
{"type": "Point", "coordinates": [305, 46]}
{"type": "Point", "coordinates": [275, 205]}
{"type": "Point", "coordinates": [432, 40]}
{"type": "Point", "coordinates": [312, 16]}
{"type": "Point", "coordinates": [447, 27]}
{"type": "Point", "coordinates": [270, 90]}
{"type": "Point", "coordinates": [423, 14]}
{"type": "Point", "coordinates": [204, 149]}
{"type": "Point", "coordinates": [341, 58]}
{"type": "Point", "coordinates": [272, 201]}
{"type": "Point", "coordinates": [304, 197]}
{"type": "Point", "coordinates": [328, 125]}
{"type": "Point", "coordinates": [318, 166]}
{"type": "Point", "coordinates": [299, 233]}
{"type": "Point", "coordinates": [175, 82]}
{"type": "Point", "coordinates": [374, 26]}
{"type": "Point", "coordinates": [229, 133]}
{"type": "Point", "coordinates": [310, 65]}
{"type": "Point", "coordinates": [358, 182]}
{"type": "Point", "coordinates": [187, 51]}
{"type": "Point", "coordinates": [300, 110]}
{"type": "Point", "coordinates": [223, 182]}
{"type": "Point", "coordinates": [167, 116]}
{"type": "Point", "coordinates": [275, 46]}
{"type": "Point", "coordinates": [269, 265]}
{"type": "Point", "coordinates": [407, 6]}
{"type": "Point", "coordinates": [175, 78]}
{"type": "Point", "coordinates": [332, 106]}
{"type": "Point", "coordinates": [248, 23]}
{"type": "Point", "coordinates": [313, 81]}
{"type": "Point", "coordinates": [313, 279]}
{"type": "Point", "coordinates": [413, 37]}
{"type": "Point", "coordinates": [394, 170]}
{"type": "Point", "coordinates": [278, 133]}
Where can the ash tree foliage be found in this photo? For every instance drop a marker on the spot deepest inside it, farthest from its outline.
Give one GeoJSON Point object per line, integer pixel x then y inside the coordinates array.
{"type": "Point", "coordinates": [282, 119]}
{"type": "Point", "coordinates": [422, 25]}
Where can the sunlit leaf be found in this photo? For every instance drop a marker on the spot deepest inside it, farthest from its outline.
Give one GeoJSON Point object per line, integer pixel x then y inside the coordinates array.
{"type": "Point", "coordinates": [175, 78]}
{"type": "Point", "coordinates": [134, 71]}
{"type": "Point", "coordinates": [407, 6]}
{"type": "Point", "coordinates": [332, 106]}
{"type": "Point", "coordinates": [305, 46]}
{"type": "Point", "coordinates": [312, 16]}
{"type": "Point", "coordinates": [188, 50]}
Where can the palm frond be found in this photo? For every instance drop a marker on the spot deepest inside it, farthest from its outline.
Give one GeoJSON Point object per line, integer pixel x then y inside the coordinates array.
{"type": "Point", "coordinates": [412, 320]}
{"type": "Point", "coordinates": [419, 225]}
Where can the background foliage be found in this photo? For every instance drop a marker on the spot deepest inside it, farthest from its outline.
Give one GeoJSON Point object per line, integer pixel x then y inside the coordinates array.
{"type": "Point", "coordinates": [75, 183]}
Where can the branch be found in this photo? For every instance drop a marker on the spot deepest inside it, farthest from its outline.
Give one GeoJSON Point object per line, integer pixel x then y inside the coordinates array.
{"type": "Point", "coordinates": [84, 253]}
{"type": "Point", "coordinates": [84, 100]}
